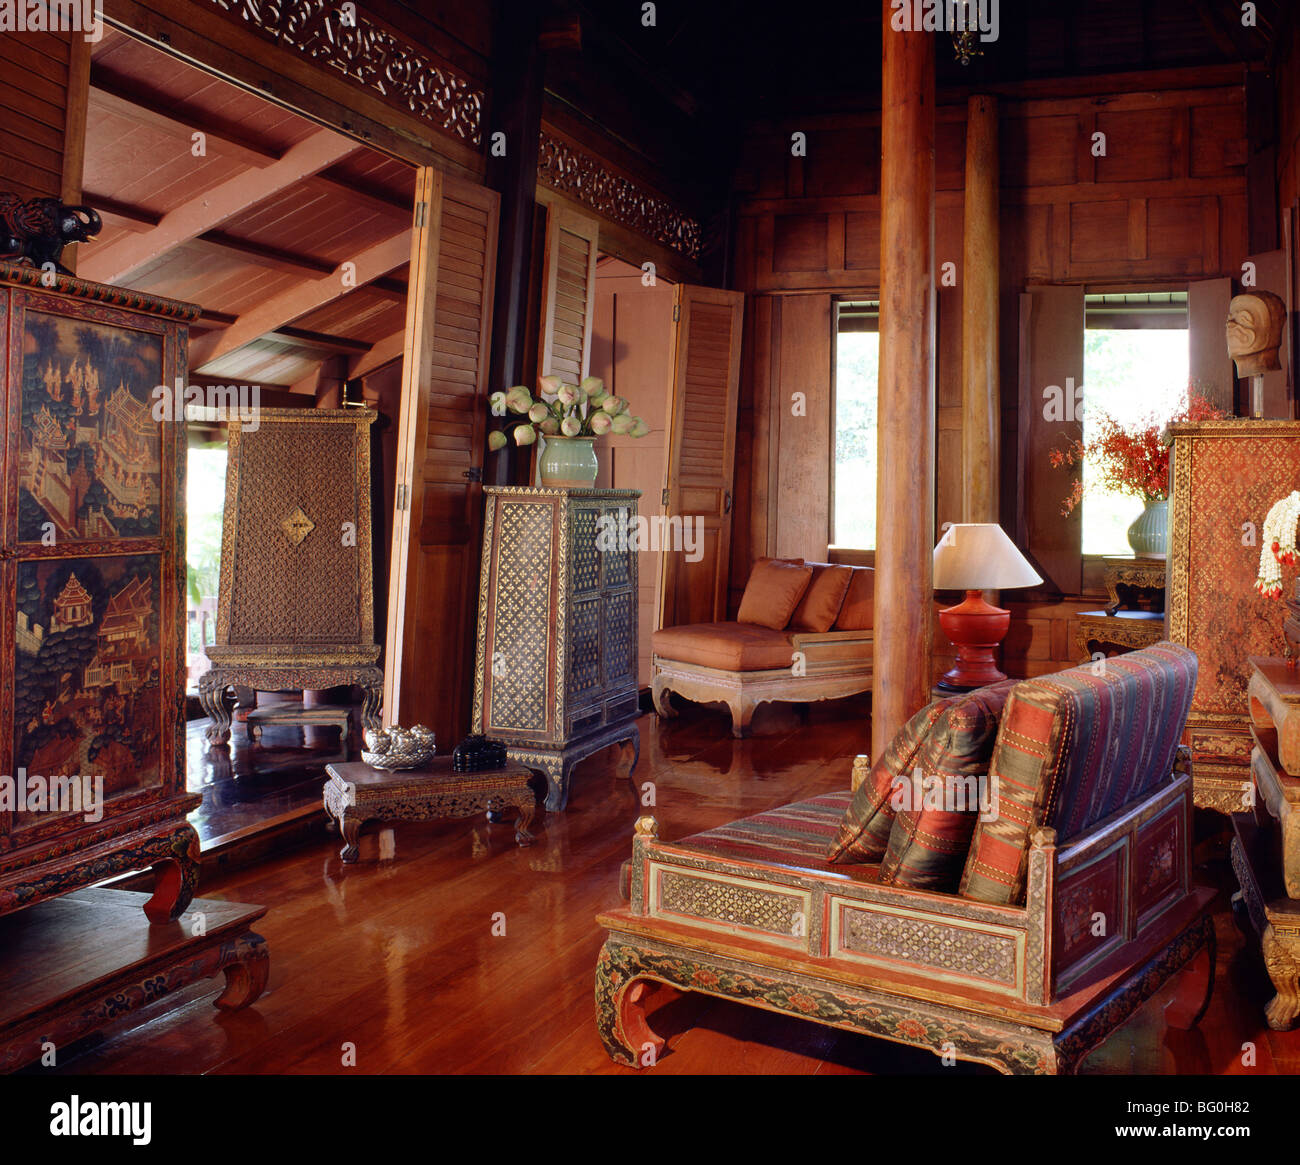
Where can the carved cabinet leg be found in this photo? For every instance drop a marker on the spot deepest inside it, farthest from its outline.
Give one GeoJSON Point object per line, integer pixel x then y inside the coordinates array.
{"type": "Point", "coordinates": [212, 695]}
{"type": "Point", "coordinates": [175, 878]}
{"type": "Point", "coordinates": [1282, 958]}
{"type": "Point", "coordinates": [620, 1016]}
{"type": "Point", "coordinates": [557, 783]}
{"type": "Point", "coordinates": [246, 976]}
{"type": "Point", "coordinates": [372, 694]}
{"type": "Point", "coordinates": [635, 741]}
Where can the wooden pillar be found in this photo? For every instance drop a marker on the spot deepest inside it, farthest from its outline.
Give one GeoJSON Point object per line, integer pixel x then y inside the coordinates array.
{"type": "Point", "coordinates": [906, 409]}
{"type": "Point", "coordinates": [980, 404]}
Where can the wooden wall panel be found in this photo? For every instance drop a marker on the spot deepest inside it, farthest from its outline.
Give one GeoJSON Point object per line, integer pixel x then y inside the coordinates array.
{"type": "Point", "coordinates": [34, 120]}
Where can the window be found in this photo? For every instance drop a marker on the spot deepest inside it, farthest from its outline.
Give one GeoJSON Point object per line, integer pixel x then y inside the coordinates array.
{"type": "Point", "coordinates": [1135, 368]}
{"type": "Point", "coordinates": [857, 367]}
{"type": "Point", "coordinates": [205, 500]}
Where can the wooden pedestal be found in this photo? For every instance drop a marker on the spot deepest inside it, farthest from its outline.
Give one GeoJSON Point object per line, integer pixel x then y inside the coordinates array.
{"type": "Point", "coordinates": [78, 963]}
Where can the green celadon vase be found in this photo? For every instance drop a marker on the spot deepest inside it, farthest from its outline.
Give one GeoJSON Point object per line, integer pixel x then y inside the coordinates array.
{"type": "Point", "coordinates": [568, 462]}
{"type": "Point", "coordinates": [1149, 534]}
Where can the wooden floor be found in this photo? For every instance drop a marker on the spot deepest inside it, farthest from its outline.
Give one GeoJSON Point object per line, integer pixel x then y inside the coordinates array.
{"type": "Point", "coordinates": [397, 958]}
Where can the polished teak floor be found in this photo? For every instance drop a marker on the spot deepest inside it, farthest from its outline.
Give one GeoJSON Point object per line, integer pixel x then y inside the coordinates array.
{"type": "Point", "coordinates": [448, 949]}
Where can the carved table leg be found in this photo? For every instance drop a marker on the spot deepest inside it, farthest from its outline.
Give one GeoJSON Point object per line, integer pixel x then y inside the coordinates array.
{"type": "Point", "coordinates": [1282, 958]}
{"type": "Point", "coordinates": [212, 695]}
{"type": "Point", "coordinates": [350, 829]}
{"type": "Point", "coordinates": [246, 976]}
{"type": "Point", "coordinates": [620, 1014]}
{"type": "Point", "coordinates": [175, 878]}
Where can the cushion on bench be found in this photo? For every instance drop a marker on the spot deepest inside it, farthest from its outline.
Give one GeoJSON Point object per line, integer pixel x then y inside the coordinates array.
{"type": "Point", "coordinates": [1074, 748]}
{"type": "Point", "coordinates": [728, 646]}
{"type": "Point", "coordinates": [773, 592]}
{"type": "Point", "coordinates": [821, 602]}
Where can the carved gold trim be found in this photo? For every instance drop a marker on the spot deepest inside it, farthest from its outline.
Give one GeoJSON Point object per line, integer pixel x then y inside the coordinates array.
{"type": "Point", "coordinates": [572, 171]}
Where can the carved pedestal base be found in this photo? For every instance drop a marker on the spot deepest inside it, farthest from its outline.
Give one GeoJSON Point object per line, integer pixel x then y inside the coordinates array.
{"type": "Point", "coordinates": [214, 682]}
{"type": "Point", "coordinates": [1274, 917]}
{"type": "Point", "coordinates": [628, 962]}
{"type": "Point", "coordinates": [558, 764]}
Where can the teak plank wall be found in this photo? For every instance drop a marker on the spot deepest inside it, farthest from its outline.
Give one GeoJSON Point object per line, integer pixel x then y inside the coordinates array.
{"type": "Point", "coordinates": [1165, 204]}
{"type": "Point", "coordinates": [42, 113]}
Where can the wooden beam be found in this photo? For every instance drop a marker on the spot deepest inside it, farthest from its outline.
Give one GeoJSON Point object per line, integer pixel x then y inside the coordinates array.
{"type": "Point", "coordinates": [906, 410]}
{"type": "Point", "coordinates": [981, 405]}
{"type": "Point", "coordinates": [383, 351]}
{"type": "Point", "coordinates": [209, 209]}
{"type": "Point", "coordinates": [265, 256]}
{"type": "Point", "coordinates": [134, 218]}
{"type": "Point", "coordinates": [294, 302]}
{"type": "Point", "coordinates": [336, 345]}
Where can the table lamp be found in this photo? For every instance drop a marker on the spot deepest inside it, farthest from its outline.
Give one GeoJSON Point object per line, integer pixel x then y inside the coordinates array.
{"type": "Point", "coordinates": [976, 557]}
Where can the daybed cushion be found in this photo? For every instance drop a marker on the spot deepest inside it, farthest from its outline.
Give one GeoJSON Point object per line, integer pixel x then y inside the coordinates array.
{"type": "Point", "coordinates": [729, 646]}
{"type": "Point", "coordinates": [822, 600]}
{"type": "Point", "coordinates": [864, 831]}
{"type": "Point", "coordinates": [943, 795]}
{"type": "Point", "coordinates": [1074, 748]}
{"type": "Point", "coordinates": [773, 592]}
{"type": "Point", "coordinates": [858, 611]}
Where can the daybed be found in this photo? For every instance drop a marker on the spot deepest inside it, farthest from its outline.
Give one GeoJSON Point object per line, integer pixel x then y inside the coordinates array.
{"type": "Point", "coordinates": [803, 633]}
{"type": "Point", "coordinates": [1020, 941]}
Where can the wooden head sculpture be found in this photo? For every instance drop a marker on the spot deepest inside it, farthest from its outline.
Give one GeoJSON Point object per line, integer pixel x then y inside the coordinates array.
{"type": "Point", "coordinates": [1255, 323]}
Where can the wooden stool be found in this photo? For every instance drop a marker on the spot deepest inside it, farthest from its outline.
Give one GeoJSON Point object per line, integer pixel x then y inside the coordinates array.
{"type": "Point", "coordinates": [356, 793]}
{"type": "Point", "coordinates": [322, 715]}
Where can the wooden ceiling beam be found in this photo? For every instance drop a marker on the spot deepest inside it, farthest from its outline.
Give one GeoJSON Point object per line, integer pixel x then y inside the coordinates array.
{"type": "Point", "coordinates": [263, 256]}
{"type": "Point", "coordinates": [133, 218]}
{"type": "Point", "coordinates": [293, 303]}
{"type": "Point", "coordinates": [210, 208]}
{"type": "Point", "coordinates": [339, 345]}
{"type": "Point", "coordinates": [378, 354]}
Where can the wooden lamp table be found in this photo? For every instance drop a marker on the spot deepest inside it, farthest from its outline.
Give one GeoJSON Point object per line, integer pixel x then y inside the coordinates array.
{"type": "Point", "coordinates": [356, 793]}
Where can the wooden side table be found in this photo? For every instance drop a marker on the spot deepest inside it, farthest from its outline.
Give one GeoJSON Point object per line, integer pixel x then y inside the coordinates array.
{"type": "Point", "coordinates": [1135, 616]}
{"type": "Point", "coordinates": [356, 793]}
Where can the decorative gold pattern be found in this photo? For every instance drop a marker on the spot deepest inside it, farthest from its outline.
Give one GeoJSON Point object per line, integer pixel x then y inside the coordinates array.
{"type": "Point", "coordinates": [918, 940]}
{"type": "Point", "coordinates": [583, 177]}
{"type": "Point", "coordinates": [297, 526]}
{"type": "Point", "coordinates": [369, 56]}
{"type": "Point", "coordinates": [522, 625]}
{"type": "Point", "coordinates": [727, 902]}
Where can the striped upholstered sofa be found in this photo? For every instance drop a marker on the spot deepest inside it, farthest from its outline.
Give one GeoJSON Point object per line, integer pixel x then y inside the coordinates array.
{"type": "Point", "coordinates": [1017, 928]}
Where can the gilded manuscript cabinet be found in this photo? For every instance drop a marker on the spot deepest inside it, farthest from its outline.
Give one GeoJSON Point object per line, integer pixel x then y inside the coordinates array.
{"type": "Point", "coordinates": [555, 676]}
{"type": "Point", "coordinates": [92, 568]}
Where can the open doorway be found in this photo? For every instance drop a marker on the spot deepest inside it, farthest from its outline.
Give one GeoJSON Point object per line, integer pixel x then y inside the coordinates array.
{"type": "Point", "coordinates": [632, 351]}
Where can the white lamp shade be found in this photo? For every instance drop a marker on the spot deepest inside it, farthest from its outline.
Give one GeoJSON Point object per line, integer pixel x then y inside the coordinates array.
{"type": "Point", "coordinates": [980, 557]}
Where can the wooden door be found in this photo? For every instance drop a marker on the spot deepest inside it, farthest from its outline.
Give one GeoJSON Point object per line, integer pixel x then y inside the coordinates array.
{"type": "Point", "coordinates": [1051, 389]}
{"type": "Point", "coordinates": [437, 521]}
{"type": "Point", "coordinates": [568, 294]}
{"type": "Point", "coordinates": [701, 455]}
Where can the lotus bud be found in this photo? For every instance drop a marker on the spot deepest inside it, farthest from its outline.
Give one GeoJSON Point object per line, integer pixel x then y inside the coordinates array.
{"type": "Point", "coordinates": [600, 423]}
{"type": "Point", "coordinates": [592, 386]}
{"type": "Point", "coordinates": [621, 424]}
{"type": "Point", "coordinates": [614, 405]}
{"type": "Point", "coordinates": [568, 394]}
{"type": "Point", "coordinates": [496, 440]}
{"type": "Point", "coordinates": [497, 403]}
{"type": "Point", "coordinates": [550, 385]}
{"type": "Point", "coordinates": [598, 400]}
{"type": "Point", "coordinates": [525, 435]}
{"type": "Point", "coordinates": [570, 426]}
{"type": "Point", "coordinates": [550, 426]}
{"type": "Point", "coordinates": [519, 399]}
{"type": "Point", "coordinates": [538, 413]}
{"type": "Point", "coordinates": [639, 428]}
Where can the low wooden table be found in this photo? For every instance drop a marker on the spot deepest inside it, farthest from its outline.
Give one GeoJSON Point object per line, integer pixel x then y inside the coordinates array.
{"type": "Point", "coordinates": [78, 963]}
{"type": "Point", "coordinates": [356, 793]}
{"type": "Point", "coordinates": [298, 716]}
{"type": "Point", "coordinates": [1118, 632]}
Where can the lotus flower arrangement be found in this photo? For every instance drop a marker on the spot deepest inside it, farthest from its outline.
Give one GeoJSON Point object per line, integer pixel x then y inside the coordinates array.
{"type": "Point", "coordinates": [570, 417]}
{"type": "Point", "coordinates": [564, 410]}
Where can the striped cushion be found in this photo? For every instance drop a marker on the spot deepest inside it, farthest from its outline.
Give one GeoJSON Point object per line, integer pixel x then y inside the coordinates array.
{"type": "Point", "coordinates": [940, 803]}
{"type": "Point", "coordinates": [794, 835]}
{"type": "Point", "coordinates": [864, 832]}
{"type": "Point", "coordinates": [1074, 748]}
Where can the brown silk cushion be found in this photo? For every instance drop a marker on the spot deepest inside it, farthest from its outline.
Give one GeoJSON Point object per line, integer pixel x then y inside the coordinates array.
{"type": "Point", "coordinates": [821, 601]}
{"type": "Point", "coordinates": [864, 832]}
{"type": "Point", "coordinates": [944, 794]}
{"type": "Point", "coordinates": [773, 592]}
{"type": "Point", "coordinates": [858, 610]}
{"type": "Point", "coordinates": [729, 646]}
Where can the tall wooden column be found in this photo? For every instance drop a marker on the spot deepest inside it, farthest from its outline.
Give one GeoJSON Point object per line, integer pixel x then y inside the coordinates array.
{"type": "Point", "coordinates": [980, 403]}
{"type": "Point", "coordinates": [905, 441]}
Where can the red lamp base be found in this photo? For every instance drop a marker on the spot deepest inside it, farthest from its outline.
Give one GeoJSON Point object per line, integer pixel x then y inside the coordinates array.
{"type": "Point", "coordinates": [976, 629]}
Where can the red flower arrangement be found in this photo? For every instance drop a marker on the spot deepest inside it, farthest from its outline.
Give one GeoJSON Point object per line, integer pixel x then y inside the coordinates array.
{"type": "Point", "coordinates": [1130, 461]}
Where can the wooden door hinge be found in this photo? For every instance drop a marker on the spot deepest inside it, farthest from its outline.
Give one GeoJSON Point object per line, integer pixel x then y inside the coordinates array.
{"type": "Point", "coordinates": [421, 212]}
{"type": "Point", "coordinates": [401, 497]}
{"type": "Point", "coordinates": [677, 312]}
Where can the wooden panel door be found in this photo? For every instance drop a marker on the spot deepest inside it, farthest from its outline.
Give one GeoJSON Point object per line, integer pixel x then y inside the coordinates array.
{"type": "Point", "coordinates": [701, 455]}
{"type": "Point", "coordinates": [568, 294]}
{"type": "Point", "coordinates": [437, 524]}
{"type": "Point", "coordinates": [1051, 390]}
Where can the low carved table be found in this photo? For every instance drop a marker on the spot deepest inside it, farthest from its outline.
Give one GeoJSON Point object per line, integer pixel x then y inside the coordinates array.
{"type": "Point", "coordinates": [356, 793]}
{"type": "Point", "coordinates": [1266, 849]}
